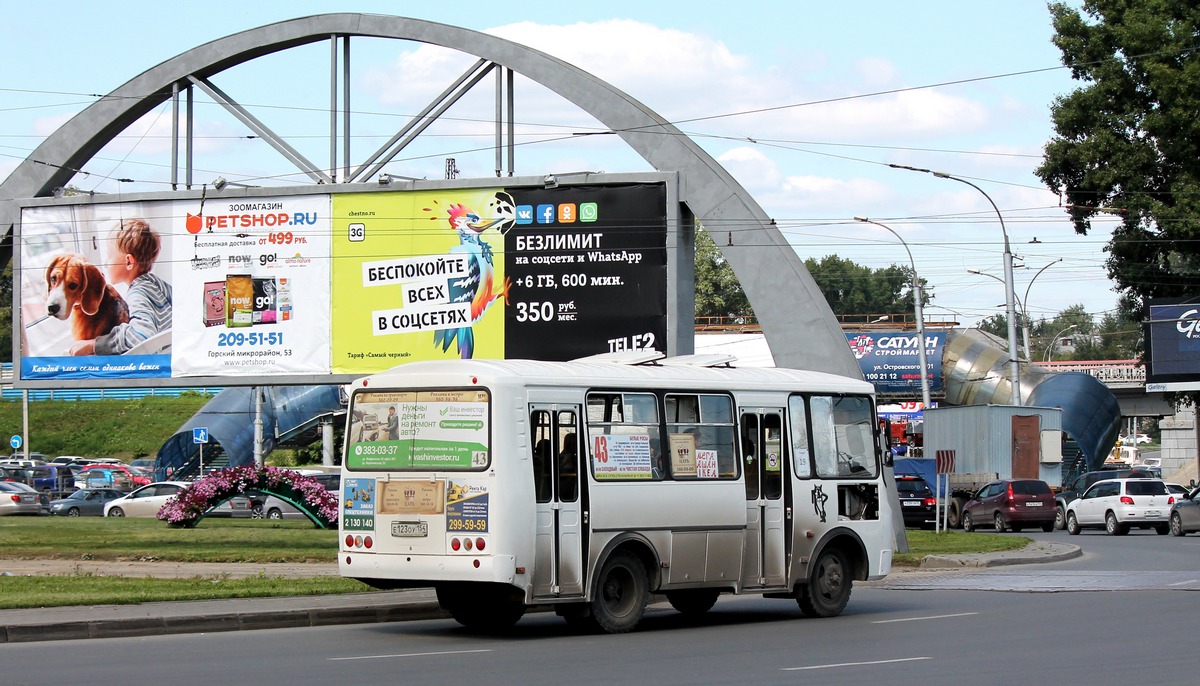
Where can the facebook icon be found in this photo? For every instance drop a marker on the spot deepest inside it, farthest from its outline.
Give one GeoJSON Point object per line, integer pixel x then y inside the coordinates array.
{"type": "Point", "coordinates": [545, 214]}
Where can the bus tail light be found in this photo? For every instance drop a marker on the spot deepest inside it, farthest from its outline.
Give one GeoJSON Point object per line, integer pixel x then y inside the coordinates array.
{"type": "Point", "coordinates": [368, 542]}
{"type": "Point", "coordinates": [479, 544]}
{"type": "Point", "coordinates": [349, 540]}
{"type": "Point", "coordinates": [455, 544]}
{"type": "Point", "coordinates": [468, 543]}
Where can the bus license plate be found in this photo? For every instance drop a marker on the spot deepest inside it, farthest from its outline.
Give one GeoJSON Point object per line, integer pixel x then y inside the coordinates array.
{"type": "Point", "coordinates": [410, 529]}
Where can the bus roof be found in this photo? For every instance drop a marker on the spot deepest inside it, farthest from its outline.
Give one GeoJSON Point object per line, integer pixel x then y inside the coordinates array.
{"type": "Point", "coordinates": [588, 373]}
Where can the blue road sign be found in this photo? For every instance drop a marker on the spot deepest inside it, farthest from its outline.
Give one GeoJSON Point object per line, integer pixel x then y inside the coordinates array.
{"type": "Point", "coordinates": [15, 442]}
{"type": "Point", "coordinates": [200, 434]}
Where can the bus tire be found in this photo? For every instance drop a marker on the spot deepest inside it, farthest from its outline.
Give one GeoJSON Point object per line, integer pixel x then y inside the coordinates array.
{"type": "Point", "coordinates": [480, 609]}
{"type": "Point", "coordinates": [693, 601]}
{"type": "Point", "coordinates": [622, 592]}
{"type": "Point", "coordinates": [829, 585]}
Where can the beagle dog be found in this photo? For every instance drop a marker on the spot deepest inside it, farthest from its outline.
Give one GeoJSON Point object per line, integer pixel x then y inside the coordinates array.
{"type": "Point", "coordinates": [77, 289]}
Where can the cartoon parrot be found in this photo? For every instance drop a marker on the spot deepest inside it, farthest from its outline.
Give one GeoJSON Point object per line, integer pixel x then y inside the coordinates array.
{"type": "Point", "coordinates": [478, 287]}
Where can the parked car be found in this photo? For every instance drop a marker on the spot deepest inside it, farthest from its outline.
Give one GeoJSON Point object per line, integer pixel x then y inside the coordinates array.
{"type": "Point", "coordinates": [265, 506]}
{"type": "Point", "coordinates": [145, 501]}
{"type": "Point", "coordinates": [102, 476]}
{"type": "Point", "coordinates": [1118, 504]}
{"type": "Point", "coordinates": [917, 502]}
{"type": "Point", "coordinates": [135, 477]}
{"type": "Point", "coordinates": [51, 478]}
{"type": "Point", "coordinates": [1011, 504]}
{"type": "Point", "coordinates": [1177, 490]}
{"type": "Point", "coordinates": [19, 499]}
{"type": "Point", "coordinates": [1081, 483]}
{"type": "Point", "coordinates": [1185, 514]}
{"type": "Point", "coordinates": [148, 500]}
{"type": "Point", "coordinates": [87, 502]}
{"type": "Point", "coordinates": [144, 462]}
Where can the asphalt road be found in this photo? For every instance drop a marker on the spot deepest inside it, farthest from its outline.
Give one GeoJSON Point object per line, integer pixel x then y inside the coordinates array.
{"type": "Point", "coordinates": [1008, 628]}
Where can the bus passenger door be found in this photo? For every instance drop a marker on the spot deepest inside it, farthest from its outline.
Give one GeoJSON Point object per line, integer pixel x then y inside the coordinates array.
{"type": "Point", "coordinates": [768, 521]}
{"type": "Point", "coordinates": [558, 569]}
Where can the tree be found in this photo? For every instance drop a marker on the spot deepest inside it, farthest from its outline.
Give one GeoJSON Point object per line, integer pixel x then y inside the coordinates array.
{"type": "Point", "coordinates": [1128, 141]}
{"type": "Point", "coordinates": [718, 293]}
{"type": "Point", "coordinates": [850, 288]}
{"type": "Point", "coordinates": [853, 288]}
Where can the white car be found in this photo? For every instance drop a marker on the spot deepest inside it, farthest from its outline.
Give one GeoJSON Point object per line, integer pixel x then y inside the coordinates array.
{"type": "Point", "coordinates": [1115, 505]}
{"type": "Point", "coordinates": [149, 499]}
{"type": "Point", "coordinates": [145, 501]}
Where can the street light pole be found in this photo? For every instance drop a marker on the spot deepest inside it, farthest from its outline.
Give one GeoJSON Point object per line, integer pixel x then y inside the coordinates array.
{"type": "Point", "coordinates": [1025, 306]}
{"type": "Point", "coordinates": [1055, 339]}
{"type": "Point", "coordinates": [1009, 294]}
{"type": "Point", "coordinates": [920, 314]}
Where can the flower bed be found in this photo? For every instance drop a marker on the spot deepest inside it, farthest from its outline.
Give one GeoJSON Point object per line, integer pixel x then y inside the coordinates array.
{"type": "Point", "coordinates": [190, 505]}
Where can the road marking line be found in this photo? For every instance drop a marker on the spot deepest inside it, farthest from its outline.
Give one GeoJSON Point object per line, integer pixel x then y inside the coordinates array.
{"type": "Point", "coordinates": [1184, 583]}
{"type": "Point", "coordinates": [921, 619]}
{"type": "Point", "coordinates": [380, 657]}
{"type": "Point", "coordinates": [854, 664]}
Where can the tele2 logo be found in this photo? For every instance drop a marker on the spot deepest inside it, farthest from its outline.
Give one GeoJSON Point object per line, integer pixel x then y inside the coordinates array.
{"type": "Point", "coordinates": [565, 213]}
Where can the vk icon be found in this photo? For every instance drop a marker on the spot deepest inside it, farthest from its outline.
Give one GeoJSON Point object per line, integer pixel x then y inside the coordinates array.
{"type": "Point", "coordinates": [524, 214]}
{"type": "Point", "coordinates": [545, 214]}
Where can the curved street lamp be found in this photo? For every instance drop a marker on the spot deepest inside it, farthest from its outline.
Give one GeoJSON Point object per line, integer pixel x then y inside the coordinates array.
{"type": "Point", "coordinates": [917, 298]}
{"type": "Point", "coordinates": [1022, 303]}
{"type": "Point", "coordinates": [1055, 339]}
{"type": "Point", "coordinates": [1009, 294]}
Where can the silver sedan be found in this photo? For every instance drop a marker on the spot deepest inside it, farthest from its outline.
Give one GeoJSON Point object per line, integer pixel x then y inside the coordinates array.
{"type": "Point", "coordinates": [1185, 513]}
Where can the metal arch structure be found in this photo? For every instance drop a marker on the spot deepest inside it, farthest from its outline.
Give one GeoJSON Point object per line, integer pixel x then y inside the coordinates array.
{"type": "Point", "coordinates": [798, 323]}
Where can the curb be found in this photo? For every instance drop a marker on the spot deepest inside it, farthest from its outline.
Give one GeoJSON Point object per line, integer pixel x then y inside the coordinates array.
{"type": "Point", "coordinates": [1037, 552]}
{"type": "Point", "coordinates": [159, 619]}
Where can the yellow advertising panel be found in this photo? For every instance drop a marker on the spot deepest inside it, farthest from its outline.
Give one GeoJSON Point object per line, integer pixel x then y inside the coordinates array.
{"type": "Point", "coordinates": [418, 276]}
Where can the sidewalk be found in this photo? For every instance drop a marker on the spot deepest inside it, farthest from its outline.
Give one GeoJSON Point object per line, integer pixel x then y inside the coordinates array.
{"type": "Point", "coordinates": [152, 619]}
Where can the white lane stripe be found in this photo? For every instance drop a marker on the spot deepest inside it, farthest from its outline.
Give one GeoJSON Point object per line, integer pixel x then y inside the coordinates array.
{"type": "Point", "coordinates": [1184, 583]}
{"type": "Point", "coordinates": [855, 664]}
{"type": "Point", "coordinates": [921, 619]}
{"type": "Point", "coordinates": [382, 657]}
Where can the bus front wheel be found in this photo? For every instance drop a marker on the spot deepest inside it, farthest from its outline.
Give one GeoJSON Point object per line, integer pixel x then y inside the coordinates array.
{"type": "Point", "coordinates": [828, 588]}
{"type": "Point", "coordinates": [621, 594]}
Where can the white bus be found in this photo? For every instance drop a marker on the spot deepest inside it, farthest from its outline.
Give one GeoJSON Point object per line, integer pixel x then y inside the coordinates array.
{"type": "Point", "coordinates": [589, 485]}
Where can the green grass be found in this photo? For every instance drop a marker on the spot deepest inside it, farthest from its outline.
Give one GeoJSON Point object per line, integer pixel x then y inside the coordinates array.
{"type": "Point", "coordinates": [87, 589]}
{"type": "Point", "coordinates": [129, 538]}
{"type": "Point", "coordinates": [922, 543]}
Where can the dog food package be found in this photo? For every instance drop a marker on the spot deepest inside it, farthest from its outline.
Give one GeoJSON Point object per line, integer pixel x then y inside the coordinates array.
{"type": "Point", "coordinates": [239, 300]}
{"type": "Point", "coordinates": [264, 301]}
{"type": "Point", "coordinates": [283, 298]}
{"type": "Point", "coordinates": [214, 303]}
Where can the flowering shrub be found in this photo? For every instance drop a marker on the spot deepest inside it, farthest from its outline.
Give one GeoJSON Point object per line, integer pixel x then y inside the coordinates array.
{"type": "Point", "coordinates": [190, 505]}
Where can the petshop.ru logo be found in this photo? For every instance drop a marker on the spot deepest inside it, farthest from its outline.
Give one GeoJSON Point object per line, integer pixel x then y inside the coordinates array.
{"type": "Point", "coordinates": [862, 345]}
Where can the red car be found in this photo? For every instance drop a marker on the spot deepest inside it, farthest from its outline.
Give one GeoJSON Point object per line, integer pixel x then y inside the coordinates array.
{"type": "Point", "coordinates": [1011, 504]}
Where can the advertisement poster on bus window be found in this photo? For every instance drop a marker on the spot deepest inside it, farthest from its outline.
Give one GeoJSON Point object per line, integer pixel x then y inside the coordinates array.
{"type": "Point", "coordinates": [95, 284]}
{"type": "Point", "coordinates": [358, 504]}
{"type": "Point", "coordinates": [419, 430]}
{"type": "Point", "coordinates": [251, 286]}
{"type": "Point", "coordinates": [683, 454]}
{"type": "Point", "coordinates": [621, 456]}
{"type": "Point", "coordinates": [535, 273]}
{"type": "Point", "coordinates": [467, 507]}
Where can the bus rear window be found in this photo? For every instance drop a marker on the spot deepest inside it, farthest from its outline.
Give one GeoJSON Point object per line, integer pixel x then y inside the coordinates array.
{"type": "Point", "coordinates": [426, 430]}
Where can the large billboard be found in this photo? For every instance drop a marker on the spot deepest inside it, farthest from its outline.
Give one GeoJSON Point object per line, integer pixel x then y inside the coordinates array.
{"type": "Point", "coordinates": [294, 287]}
{"type": "Point", "coordinates": [1172, 334]}
{"type": "Point", "coordinates": [891, 360]}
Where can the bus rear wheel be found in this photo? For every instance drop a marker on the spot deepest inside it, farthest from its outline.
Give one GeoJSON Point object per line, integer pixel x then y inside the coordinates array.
{"type": "Point", "coordinates": [828, 588]}
{"type": "Point", "coordinates": [693, 601]}
{"type": "Point", "coordinates": [621, 594]}
{"type": "Point", "coordinates": [480, 609]}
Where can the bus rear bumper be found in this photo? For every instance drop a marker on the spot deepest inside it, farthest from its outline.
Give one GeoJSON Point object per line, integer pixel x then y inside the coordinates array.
{"type": "Point", "coordinates": [428, 568]}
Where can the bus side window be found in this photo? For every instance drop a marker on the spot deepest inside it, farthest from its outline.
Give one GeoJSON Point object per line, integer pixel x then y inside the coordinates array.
{"type": "Point", "coordinates": [541, 470]}
{"type": "Point", "coordinates": [568, 469]}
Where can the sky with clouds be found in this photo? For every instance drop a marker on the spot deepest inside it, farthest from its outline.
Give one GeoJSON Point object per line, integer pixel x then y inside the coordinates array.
{"type": "Point", "coordinates": [805, 103]}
